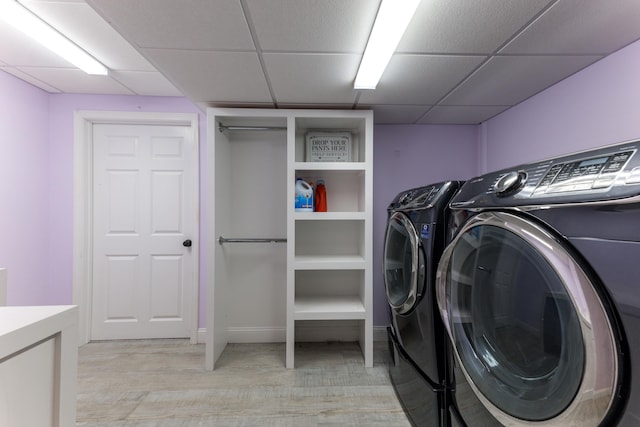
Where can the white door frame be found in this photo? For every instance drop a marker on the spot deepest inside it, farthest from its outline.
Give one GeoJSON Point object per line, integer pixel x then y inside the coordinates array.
{"type": "Point", "coordinates": [82, 204]}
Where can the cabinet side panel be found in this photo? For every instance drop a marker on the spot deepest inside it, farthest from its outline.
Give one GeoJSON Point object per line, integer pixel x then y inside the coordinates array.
{"type": "Point", "coordinates": [27, 396]}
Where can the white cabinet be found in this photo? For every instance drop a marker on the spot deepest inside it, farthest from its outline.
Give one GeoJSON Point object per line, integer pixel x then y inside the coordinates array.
{"type": "Point", "coordinates": [38, 365]}
{"type": "Point", "coordinates": [319, 285]}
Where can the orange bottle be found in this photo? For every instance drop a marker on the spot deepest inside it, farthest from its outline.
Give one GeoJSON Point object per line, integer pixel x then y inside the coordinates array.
{"type": "Point", "coordinates": [320, 198]}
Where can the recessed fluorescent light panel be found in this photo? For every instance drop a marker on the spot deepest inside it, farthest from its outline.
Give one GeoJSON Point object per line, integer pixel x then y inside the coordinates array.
{"type": "Point", "coordinates": [391, 22]}
{"type": "Point", "coordinates": [24, 20]}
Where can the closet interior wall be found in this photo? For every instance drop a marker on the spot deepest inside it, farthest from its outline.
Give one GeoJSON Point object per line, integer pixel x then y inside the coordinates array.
{"type": "Point", "coordinates": [250, 187]}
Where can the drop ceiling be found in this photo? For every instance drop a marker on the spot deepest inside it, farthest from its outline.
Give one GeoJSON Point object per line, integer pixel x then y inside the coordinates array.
{"type": "Point", "coordinates": [460, 61]}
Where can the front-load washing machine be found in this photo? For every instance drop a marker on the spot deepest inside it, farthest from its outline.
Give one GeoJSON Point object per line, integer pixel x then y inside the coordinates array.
{"type": "Point", "coordinates": [414, 241]}
{"type": "Point", "coordinates": [539, 290]}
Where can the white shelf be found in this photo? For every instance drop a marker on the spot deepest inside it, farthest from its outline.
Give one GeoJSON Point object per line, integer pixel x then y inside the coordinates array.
{"type": "Point", "coordinates": [330, 166]}
{"type": "Point", "coordinates": [328, 216]}
{"type": "Point", "coordinates": [329, 262]}
{"type": "Point", "coordinates": [329, 308]}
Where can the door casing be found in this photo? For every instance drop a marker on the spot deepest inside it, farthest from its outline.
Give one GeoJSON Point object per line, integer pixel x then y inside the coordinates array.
{"type": "Point", "coordinates": [82, 204]}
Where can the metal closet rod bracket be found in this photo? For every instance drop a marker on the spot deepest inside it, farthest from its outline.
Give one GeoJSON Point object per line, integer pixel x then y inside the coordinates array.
{"type": "Point", "coordinates": [222, 240]}
{"type": "Point", "coordinates": [223, 128]}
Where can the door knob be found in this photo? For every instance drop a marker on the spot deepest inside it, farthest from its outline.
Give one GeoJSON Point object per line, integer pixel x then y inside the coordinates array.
{"type": "Point", "coordinates": [187, 243]}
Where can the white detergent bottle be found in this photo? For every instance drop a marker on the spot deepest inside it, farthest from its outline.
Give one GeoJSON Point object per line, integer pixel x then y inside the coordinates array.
{"type": "Point", "coordinates": [304, 196]}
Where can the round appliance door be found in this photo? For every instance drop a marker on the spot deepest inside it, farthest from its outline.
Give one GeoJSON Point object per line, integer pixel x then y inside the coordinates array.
{"type": "Point", "coordinates": [529, 330]}
{"type": "Point", "coordinates": [403, 264]}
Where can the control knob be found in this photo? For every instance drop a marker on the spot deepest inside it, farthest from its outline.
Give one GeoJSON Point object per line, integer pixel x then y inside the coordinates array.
{"type": "Point", "coordinates": [509, 183]}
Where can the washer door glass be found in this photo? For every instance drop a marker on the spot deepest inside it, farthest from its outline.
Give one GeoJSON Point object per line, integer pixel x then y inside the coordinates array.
{"type": "Point", "coordinates": [509, 295]}
{"type": "Point", "coordinates": [401, 263]}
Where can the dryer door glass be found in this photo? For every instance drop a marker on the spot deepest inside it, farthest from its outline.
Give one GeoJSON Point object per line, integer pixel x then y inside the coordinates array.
{"type": "Point", "coordinates": [403, 264]}
{"type": "Point", "coordinates": [515, 304]}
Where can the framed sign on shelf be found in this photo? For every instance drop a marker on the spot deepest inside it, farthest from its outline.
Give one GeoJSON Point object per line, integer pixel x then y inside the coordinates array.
{"type": "Point", "coordinates": [329, 147]}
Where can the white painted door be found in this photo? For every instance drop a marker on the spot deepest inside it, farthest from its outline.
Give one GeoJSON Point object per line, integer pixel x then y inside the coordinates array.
{"type": "Point", "coordinates": [144, 201]}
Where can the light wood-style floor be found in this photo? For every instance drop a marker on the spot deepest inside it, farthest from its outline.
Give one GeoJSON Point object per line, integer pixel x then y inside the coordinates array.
{"type": "Point", "coordinates": [163, 383]}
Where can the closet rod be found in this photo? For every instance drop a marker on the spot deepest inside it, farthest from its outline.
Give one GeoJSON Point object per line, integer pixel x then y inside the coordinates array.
{"type": "Point", "coordinates": [223, 128]}
{"type": "Point", "coordinates": [222, 240]}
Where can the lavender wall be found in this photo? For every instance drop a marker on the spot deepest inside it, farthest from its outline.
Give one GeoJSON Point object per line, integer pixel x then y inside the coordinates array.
{"type": "Point", "coordinates": [597, 106]}
{"type": "Point", "coordinates": [36, 185]}
{"type": "Point", "coordinates": [23, 190]}
{"type": "Point", "coordinates": [36, 151]}
{"type": "Point", "coordinates": [60, 178]}
{"type": "Point", "coordinates": [410, 156]}
{"type": "Point", "coordinates": [38, 229]}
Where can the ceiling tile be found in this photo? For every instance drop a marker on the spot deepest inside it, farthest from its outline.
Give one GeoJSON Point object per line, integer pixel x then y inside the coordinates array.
{"type": "Point", "coordinates": [466, 27]}
{"type": "Point", "coordinates": [310, 50]}
{"type": "Point", "coordinates": [320, 78]}
{"type": "Point", "coordinates": [330, 26]}
{"type": "Point", "coordinates": [214, 76]}
{"type": "Point", "coordinates": [204, 105]}
{"type": "Point", "coordinates": [145, 83]}
{"type": "Point", "coordinates": [593, 27]}
{"type": "Point", "coordinates": [396, 114]}
{"type": "Point", "coordinates": [461, 114]}
{"type": "Point", "coordinates": [184, 24]}
{"type": "Point", "coordinates": [73, 80]}
{"type": "Point", "coordinates": [420, 79]}
{"type": "Point", "coordinates": [87, 29]}
{"type": "Point", "coordinates": [18, 49]}
{"type": "Point", "coordinates": [509, 80]}
{"type": "Point", "coordinates": [314, 106]}
{"type": "Point", "coordinates": [31, 80]}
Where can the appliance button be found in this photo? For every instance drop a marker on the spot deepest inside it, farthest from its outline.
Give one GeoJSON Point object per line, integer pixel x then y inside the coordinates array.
{"type": "Point", "coordinates": [582, 186]}
{"type": "Point", "coordinates": [560, 188]}
{"type": "Point", "coordinates": [540, 190]}
{"type": "Point", "coordinates": [634, 176]}
{"type": "Point", "coordinates": [604, 181]}
{"type": "Point", "coordinates": [405, 198]}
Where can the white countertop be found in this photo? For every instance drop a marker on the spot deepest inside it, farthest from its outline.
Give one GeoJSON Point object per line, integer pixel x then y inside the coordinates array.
{"type": "Point", "coordinates": [22, 326]}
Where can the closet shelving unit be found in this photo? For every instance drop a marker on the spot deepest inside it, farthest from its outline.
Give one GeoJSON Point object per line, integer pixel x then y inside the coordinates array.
{"type": "Point", "coordinates": [328, 290]}
{"type": "Point", "coordinates": [329, 256]}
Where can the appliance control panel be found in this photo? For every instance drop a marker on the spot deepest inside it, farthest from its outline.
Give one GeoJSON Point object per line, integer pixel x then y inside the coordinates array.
{"type": "Point", "coordinates": [420, 198]}
{"type": "Point", "coordinates": [608, 173]}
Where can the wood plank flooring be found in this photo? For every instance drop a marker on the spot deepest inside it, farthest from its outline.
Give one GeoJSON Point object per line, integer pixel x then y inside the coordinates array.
{"type": "Point", "coordinates": [163, 383]}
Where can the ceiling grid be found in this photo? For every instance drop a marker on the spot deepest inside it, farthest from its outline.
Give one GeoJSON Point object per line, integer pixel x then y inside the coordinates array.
{"type": "Point", "coordinates": [459, 62]}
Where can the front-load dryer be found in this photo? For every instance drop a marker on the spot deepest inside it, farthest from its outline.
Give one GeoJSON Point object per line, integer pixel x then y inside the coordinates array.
{"type": "Point", "coordinates": [414, 241]}
{"type": "Point", "coordinates": [540, 295]}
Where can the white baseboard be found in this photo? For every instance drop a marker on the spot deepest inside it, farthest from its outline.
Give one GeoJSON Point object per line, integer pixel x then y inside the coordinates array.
{"type": "Point", "coordinates": [256, 334]}
{"type": "Point", "coordinates": [380, 333]}
{"type": "Point", "coordinates": [304, 333]}
{"type": "Point", "coordinates": [3, 286]}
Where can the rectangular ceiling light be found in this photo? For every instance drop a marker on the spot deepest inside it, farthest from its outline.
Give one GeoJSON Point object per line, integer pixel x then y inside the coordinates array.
{"type": "Point", "coordinates": [24, 20]}
{"type": "Point", "coordinates": [391, 22]}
